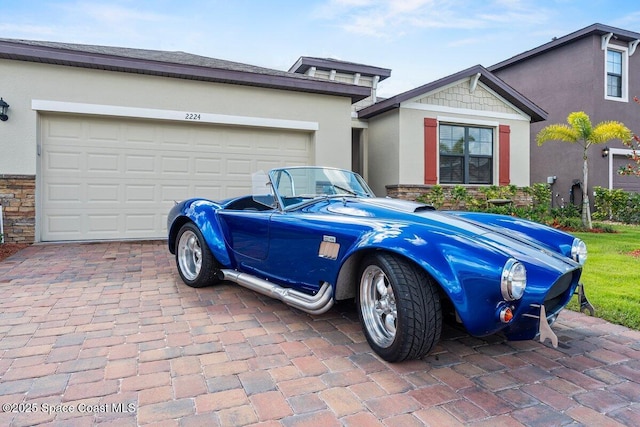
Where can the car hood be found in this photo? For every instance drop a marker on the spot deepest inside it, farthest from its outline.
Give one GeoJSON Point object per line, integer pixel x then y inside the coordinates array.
{"type": "Point", "coordinates": [403, 213]}
{"type": "Point", "coordinates": [487, 230]}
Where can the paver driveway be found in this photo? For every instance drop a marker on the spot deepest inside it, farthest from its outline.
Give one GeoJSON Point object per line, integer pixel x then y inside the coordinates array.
{"type": "Point", "coordinates": [107, 333]}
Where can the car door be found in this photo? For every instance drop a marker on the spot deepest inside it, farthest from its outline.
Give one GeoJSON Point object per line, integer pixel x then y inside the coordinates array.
{"type": "Point", "coordinates": [247, 236]}
{"type": "Point", "coordinates": [306, 249]}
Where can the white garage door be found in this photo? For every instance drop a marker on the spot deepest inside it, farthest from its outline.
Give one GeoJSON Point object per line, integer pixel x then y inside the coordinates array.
{"type": "Point", "coordinates": [106, 178]}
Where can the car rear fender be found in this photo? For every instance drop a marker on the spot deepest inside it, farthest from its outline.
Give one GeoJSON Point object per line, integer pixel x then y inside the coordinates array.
{"type": "Point", "coordinates": [203, 214]}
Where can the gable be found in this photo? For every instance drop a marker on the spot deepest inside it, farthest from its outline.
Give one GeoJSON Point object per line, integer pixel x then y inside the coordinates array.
{"type": "Point", "coordinates": [469, 81]}
{"type": "Point", "coordinates": [460, 96]}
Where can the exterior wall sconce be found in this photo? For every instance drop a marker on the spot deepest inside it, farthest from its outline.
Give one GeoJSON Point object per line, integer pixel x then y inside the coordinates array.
{"type": "Point", "coordinates": [605, 152]}
{"type": "Point", "coordinates": [3, 110]}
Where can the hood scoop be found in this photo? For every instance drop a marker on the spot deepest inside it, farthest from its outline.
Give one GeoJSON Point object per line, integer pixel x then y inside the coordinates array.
{"type": "Point", "coordinates": [399, 204]}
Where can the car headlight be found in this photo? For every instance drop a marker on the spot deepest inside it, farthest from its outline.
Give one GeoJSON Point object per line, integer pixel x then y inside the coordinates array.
{"type": "Point", "coordinates": [579, 251]}
{"type": "Point", "coordinates": [514, 280]}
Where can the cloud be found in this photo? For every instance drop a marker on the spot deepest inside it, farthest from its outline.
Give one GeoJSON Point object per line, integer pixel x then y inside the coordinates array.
{"type": "Point", "coordinates": [392, 19]}
{"type": "Point", "coordinates": [118, 22]}
{"type": "Point", "coordinates": [27, 31]}
{"type": "Point", "coordinates": [629, 20]}
{"type": "Point", "coordinates": [113, 14]}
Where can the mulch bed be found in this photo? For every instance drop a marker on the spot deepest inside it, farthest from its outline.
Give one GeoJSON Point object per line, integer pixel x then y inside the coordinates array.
{"type": "Point", "coordinates": [8, 249]}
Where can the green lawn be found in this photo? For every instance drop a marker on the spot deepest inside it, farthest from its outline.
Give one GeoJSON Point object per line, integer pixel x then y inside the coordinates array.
{"type": "Point", "coordinates": [611, 275]}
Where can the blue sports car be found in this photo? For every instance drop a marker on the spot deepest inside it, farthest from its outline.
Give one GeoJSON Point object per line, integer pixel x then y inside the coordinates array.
{"type": "Point", "coordinates": [310, 236]}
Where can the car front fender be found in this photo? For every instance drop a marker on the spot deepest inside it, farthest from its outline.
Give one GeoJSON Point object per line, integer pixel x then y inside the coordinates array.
{"type": "Point", "coordinates": [468, 272]}
{"type": "Point", "coordinates": [203, 214]}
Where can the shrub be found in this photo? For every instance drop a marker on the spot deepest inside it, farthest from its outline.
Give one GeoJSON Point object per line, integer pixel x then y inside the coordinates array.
{"type": "Point", "coordinates": [460, 196]}
{"type": "Point", "coordinates": [617, 205]}
{"type": "Point", "coordinates": [434, 197]}
{"type": "Point", "coordinates": [630, 214]}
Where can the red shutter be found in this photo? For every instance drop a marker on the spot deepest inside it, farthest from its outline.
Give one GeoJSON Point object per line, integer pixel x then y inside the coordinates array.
{"type": "Point", "coordinates": [504, 153]}
{"type": "Point", "coordinates": [430, 151]}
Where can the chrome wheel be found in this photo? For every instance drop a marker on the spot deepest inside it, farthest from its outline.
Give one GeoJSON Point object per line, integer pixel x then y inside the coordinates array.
{"type": "Point", "coordinates": [378, 306]}
{"type": "Point", "coordinates": [189, 255]}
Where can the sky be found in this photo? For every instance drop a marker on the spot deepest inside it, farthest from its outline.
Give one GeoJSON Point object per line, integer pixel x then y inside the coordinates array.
{"type": "Point", "coordinates": [419, 40]}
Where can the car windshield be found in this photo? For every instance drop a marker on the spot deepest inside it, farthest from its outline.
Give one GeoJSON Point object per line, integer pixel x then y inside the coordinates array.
{"type": "Point", "coordinates": [297, 185]}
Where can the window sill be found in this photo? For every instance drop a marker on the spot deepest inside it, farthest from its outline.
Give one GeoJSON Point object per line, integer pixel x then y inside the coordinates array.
{"type": "Point", "coordinates": [613, 98]}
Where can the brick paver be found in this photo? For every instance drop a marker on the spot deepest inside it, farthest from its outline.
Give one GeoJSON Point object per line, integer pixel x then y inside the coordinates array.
{"type": "Point", "coordinates": [106, 333]}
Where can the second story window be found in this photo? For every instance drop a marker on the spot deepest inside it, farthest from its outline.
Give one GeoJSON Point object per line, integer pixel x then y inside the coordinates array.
{"type": "Point", "coordinates": [614, 73]}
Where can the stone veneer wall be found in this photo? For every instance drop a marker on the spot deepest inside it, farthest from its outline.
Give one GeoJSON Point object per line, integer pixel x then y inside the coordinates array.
{"type": "Point", "coordinates": [17, 197]}
{"type": "Point", "coordinates": [412, 192]}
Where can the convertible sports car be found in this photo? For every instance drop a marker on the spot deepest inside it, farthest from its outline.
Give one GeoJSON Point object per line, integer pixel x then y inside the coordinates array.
{"type": "Point", "coordinates": [311, 236]}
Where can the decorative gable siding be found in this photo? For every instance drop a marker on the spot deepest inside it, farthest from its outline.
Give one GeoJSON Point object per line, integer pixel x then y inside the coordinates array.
{"type": "Point", "coordinates": [460, 96]}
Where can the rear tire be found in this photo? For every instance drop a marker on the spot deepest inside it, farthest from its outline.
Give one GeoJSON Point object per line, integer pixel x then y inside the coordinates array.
{"type": "Point", "coordinates": [196, 264]}
{"type": "Point", "coordinates": [399, 308]}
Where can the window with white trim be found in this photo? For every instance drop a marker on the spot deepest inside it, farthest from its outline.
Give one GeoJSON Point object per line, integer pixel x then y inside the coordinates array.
{"type": "Point", "coordinates": [616, 74]}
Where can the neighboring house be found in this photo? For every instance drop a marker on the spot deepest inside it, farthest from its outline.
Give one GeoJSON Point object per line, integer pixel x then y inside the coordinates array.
{"type": "Point", "coordinates": [100, 141]}
{"type": "Point", "coordinates": [469, 128]}
{"type": "Point", "coordinates": [595, 70]}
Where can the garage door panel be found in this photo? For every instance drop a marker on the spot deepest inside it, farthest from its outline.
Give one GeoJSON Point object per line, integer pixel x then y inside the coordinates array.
{"type": "Point", "coordinates": [102, 193]}
{"type": "Point", "coordinates": [118, 178]}
{"type": "Point", "coordinates": [67, 161]}
{"type": "Point", "coordinates": [208, 168]}
{"type": "Point", "coordinates": [174, 138]}
{"type": "Point", "coordinates": [103, 223]}
{"type": "Point", "coordinates": [140, 163]}
{"type": "Point", "coordinates": [140, 222]}
{"type": "Point", "coordinates": [140, 194]}
{"type": "Point", "coordinates": [65, 128]}
{"type": "Point", "coordinates": [103, 162]}
{"type": "Point", "coordinates": [212, 192]}
{"type": "Point", "coordinates": [170, 193]}
{"type": "Point", "coordinates": [102, 132]}
{"type": "Point", "coordinates": [176, 165]}
{"type": "Point", "coordinates": [140, 134]}
{"type": "Point", "coordinates": [64, 193]}
{"type": "Point", "coordinates": [63, 223]}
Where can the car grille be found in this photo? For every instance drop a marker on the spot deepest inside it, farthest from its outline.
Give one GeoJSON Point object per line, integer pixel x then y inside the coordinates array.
{"type": "Point", "coordinates": [559, 295]}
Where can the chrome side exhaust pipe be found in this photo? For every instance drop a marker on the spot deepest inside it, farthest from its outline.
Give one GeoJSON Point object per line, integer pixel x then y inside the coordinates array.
{"type": "Point", "coordinates": [319, 303]}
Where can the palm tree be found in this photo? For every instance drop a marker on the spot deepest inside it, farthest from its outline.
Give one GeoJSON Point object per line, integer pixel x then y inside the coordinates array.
{"type": "Point", "coordinates": [579, 130]}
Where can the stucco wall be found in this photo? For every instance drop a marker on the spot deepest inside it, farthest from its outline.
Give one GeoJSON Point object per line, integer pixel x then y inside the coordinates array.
{"type": "Point", "coordinates": [25, 81]}
{"type": "Point", "coordinates": [383, 151]}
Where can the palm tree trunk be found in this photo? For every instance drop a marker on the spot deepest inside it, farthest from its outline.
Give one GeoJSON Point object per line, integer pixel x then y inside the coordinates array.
{"type": "Point", "coordinates": [586, 207]}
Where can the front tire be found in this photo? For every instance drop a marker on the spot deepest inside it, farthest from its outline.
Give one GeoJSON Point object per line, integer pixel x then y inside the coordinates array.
{"type": "Point", "coordinates": [399, 308]}
{"type": "Point", "coordinates": [196, 264]}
